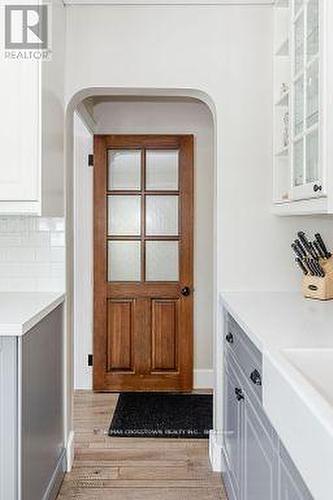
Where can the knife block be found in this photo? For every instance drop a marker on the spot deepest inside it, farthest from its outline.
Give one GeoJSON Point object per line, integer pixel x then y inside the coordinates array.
{"type": "Point", "coordinates": [318, 288]}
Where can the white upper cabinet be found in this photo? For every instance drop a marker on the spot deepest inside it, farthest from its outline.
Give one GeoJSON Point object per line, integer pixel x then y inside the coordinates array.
{"type": "Point", "coordinates": [31, 137]}
{"type": "Point", "coordinates": [20, 137]}
{"type": "Point", "coordinates": [302, 163]}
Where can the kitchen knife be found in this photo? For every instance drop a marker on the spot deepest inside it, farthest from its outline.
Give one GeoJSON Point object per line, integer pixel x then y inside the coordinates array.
{"type": "Point", "coordinates": [322, 246]}
{"type": "Point", "coordinates": [297, 251]}
{"type": "Point", "coordinates": [319, 269]}
{"type": "Point", "coordinates": [308, 264]}
{"type": "Point", "coordinates": [313, 267]}
{"type": "Point", "coordinates": [307, 244]}
{"type": "Point", "coordinates": [318, 249]}
{"type": "Point", "coordinates": [313, 251]}
{"type": "Point", "coordinates": [300, 247]}
{"type": "Point", "coordinates": [301, 266]}
{"type": "Point", "coordinates": [304, 241]}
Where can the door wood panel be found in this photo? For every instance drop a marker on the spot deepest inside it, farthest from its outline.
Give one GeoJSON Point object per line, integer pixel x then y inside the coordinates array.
{"type": "Point", "coordinates": [120, 335]}
{"type": "Point", "coordinates": [143, 330]}
{"type": "Point", "coordinates": [164, 335]}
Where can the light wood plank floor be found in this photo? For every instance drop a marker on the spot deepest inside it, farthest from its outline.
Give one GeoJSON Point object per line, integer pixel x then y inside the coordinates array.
{"type": "Point", "coordinates": [134, 468]}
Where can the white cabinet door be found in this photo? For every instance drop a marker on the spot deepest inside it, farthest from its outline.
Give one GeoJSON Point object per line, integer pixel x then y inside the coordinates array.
{"type": "Point", "coordinates": [306, 162]}
{"type": "Point", "coordinates": [19, 137]}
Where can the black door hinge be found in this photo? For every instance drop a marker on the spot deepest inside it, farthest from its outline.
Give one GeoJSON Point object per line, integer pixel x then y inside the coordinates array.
{"type": "Point", "coordinates": [90, 359]}
{"type": "Point", "coordinates": [91, 160]}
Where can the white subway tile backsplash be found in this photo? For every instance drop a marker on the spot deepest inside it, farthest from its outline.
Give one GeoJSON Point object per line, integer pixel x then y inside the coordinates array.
{"type": "Point", "coordinates": [58, 254]}
{"type": "Point", "coordinates": [10, 240]}
{"type": "Point", "coordinates": [32, 254]}
{"type": "Point", "coordinates": [57, 239]}
{"type": "Point", "coordinates": [17, 254]}
{"type": "Point", "coordinates": [42, 254]}
{"type": "Point", "coordinates": [19, 285]}
{"type": "Point", "coordinates": [50, 224]}
{"type": "Point", "coordinates": [56, 269]}
{"type": "Point", "coordinates": [36, 239]}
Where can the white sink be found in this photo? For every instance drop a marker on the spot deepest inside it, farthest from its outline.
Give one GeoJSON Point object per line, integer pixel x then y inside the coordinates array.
{"type": "Point", "coordinates": [316, 365]}
{"type": "Point", "coordinates": [298, 399]}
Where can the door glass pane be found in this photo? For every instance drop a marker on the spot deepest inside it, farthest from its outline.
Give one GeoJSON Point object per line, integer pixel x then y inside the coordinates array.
{"type": "Point", "coordinates": [124, 215]}
{"type": "Point", "coordinates": [161, 215]}
{"type": "Point", "coordinates": [312, 157]}
{"type": "Point", "coordinates": [312, 95]}
{"type": "Point", "coordinates": [312, 29]}
{"type": "Point", "coordinates": [299, 44]}
{"type": "Point", "coordinates": [299, 107]}
{"type": "Point", "coordinates": [124, 169]}
{"type": "Point", "coordinates": [162, 261]}
{"type": "Point", "coordinates": [124, 260]}
{"type": "Point", "coordinates": [298, 163]}
{"type": "Point", "coordinates": [162, 170]}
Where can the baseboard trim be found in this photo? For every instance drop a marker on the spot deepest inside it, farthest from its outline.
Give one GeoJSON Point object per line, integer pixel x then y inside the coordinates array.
{"type": "Point", "coordinates": [203, 379]}
{"type": "Point", "coordinates": [216, 456]}
{"type": "Point", "coordinates": [53, 487]}
{"type": "Point", "coordinates": [70, 452]}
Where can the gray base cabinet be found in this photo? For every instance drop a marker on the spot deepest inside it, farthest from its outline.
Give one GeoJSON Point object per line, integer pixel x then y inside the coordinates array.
{"type": "Point", "coordinates": [233, 417]}
{"type": "Point", "coordinates": [32, 454]}
{"type": "Point", "coordinates": [291, 484]}
{"type": "Point", "coordinates": [257, 466]}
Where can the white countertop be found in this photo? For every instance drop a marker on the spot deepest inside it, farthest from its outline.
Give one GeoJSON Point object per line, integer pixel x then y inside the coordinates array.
{"type": "Point", "coordinates": [296, 402]}
{"type": "Point", "coordinates": [20, 311]}
{"type": "Point", "coordinates": [279, 320]}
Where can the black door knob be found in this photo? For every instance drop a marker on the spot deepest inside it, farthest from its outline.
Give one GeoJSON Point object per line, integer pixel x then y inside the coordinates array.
{"type": "Point", "coordinates": [185, 291]}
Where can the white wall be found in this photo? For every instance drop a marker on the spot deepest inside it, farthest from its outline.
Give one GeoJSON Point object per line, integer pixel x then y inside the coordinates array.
{"type": "Point", "coordinates": [149, 116]}
{"type": "Point", "coordinates": [205, 51]}
{"type": "Point", "coordinates": [226, 53]}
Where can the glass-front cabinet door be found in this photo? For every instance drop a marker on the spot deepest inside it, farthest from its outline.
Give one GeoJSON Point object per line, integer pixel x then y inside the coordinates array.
{"type": "Point", "coordinates": [306, 169]}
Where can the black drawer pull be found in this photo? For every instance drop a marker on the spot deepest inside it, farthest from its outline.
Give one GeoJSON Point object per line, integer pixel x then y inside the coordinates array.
{"type": "Point", "coordinates": [230, 338]}
{"type": "Point", "coordinates": [239, 394]}
{"type": "Point", "coordinates": [255, 377]}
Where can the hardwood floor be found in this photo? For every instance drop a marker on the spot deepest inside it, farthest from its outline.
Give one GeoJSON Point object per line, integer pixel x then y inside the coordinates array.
{"type": "Point", "coordinates": [134, 468]}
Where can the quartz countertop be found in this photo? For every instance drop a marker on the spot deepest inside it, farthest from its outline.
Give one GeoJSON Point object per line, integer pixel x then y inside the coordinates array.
{"type": "Point", "coordinates": [289, 329]}
{"type": "Point", "coordinates": [20, 311]}
{"type": "Point", "coordinates": [280, 320]}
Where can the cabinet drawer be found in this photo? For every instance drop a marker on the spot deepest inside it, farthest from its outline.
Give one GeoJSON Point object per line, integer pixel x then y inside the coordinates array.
{"type": "Point", "coordinates": [233, 367]}
{"type": "Point", "coordinates": [248, 357]}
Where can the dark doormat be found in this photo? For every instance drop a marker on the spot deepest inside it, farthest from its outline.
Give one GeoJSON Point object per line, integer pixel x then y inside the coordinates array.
{"type": "Point", "coordinates": [151, 414]}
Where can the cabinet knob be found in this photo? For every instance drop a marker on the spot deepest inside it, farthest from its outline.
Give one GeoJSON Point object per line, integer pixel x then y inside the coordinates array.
{"type": "Point", "coordinates": [255, 377]}
{"type": "Point", "coordinates": [230, 338]}
{"type": "Point", "coordinates": [317, 187]}
{"type": "Point", "coordinates": [185, 291]}
{"type": "Point", "coordinates": [239, 394]}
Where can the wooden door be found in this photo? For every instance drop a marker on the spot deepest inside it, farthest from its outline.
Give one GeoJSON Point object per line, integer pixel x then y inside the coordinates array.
{"type": "Point", "coordinates": [143, 263]}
